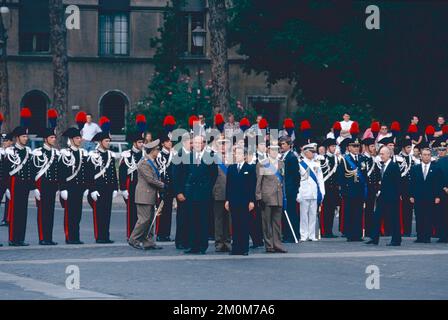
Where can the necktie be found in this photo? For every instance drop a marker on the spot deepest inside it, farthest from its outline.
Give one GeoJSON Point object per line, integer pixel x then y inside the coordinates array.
{"type": "Point", "coordinates": [239, 167]}
{"type": "Point", "coordinates": [425, 171]}
{"type": "Point", "coordinates": [383, 165]}
{"type": "Point", "coordinates": [198, 159]}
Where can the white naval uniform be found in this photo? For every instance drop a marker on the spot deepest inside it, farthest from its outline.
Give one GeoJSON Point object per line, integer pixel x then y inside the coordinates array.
{"type": "Point", "coordinates": [307, 198]}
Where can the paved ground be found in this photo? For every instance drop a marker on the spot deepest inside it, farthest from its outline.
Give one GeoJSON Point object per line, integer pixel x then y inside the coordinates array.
{"type": "Point", "coordinates": [329, 269]}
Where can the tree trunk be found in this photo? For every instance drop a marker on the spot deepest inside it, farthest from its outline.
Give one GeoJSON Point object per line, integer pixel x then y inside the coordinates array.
{"type": "Point", "coordinates": [218, 53]}
{"type": "Point", "coordinates": [58, 36]}
{"type": "Point", "coordinates": [4, 85]}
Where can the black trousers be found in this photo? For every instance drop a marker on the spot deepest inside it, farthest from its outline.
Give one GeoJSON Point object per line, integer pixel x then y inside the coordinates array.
{"type": "Point", "coordinates": [240, 229]}
{"type": "Point", "coordinates": [443, 218]}
{"type": "Point", "coordinates": [182, 227]}
{"type": "Point", "coordinates": [256, 226]}
{"type": "Point", "coordinates": [369, 209]}
{"type": "Point", "coordinates": [18, 208]}
{"type": "Point", "coordinates": [73, 211]}
{"type": "Point", "coordinates": [198, 214]}
{"type": "Point", "coordinates": [390, 209]}
{"type": "Point", "coordinates": [164, 220]}
{"type": "Point", "coordinates": [5, 211]}
{"type": "Point", "coordinates": [45, 208]}
{"type": "Point", "coordinates": [102, 210]}
{"type": "Point", "coordinates": [3, 188]}
{"type": "Point", "coordinates": [353, 207]}
{"type": "Point", "coordinates": [328, 208]}
{"type": "Point", "coordinates": [291, 209]}
{"type": "Point", "coordinates": [407, 213]}
{"type": "Point", "coordinates": [131, 208]}
{"type": "Point", "coordinates": [424, 213]}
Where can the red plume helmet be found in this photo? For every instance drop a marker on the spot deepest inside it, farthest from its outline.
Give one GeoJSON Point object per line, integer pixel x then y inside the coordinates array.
{"type": "Point", "coordinates": [52, 116]}
{"type": "Point", "coordinates": [354, 129]}
{"type": "Point", "coordinates": [429, 131]}
{"type": "Point", "coordinates": [263, 124]}
{"type": "Point", "coordinates": [305, 125]}
{"type": "Point", "coordinates": [25, 116]}
{"type": "Point", "coordinates": [192, 120]}
{"type": "Point", "coordinates": [395, 126]}
{"type": "Point", "coordinates": [288, 123]}
{"type": "Point", "coordinates": [140, 120]}
{"type": "Point", "coordinates": [104, 123]}
{"type": "Point", "coordinates": [337, 126]}
{"type": "Point", "coordinates": [445, 129]}
{"type": "Point", "coordinates": [375, 127]}
{"type": "Point", "coordinates": [244, 124]}
{"type": "Point", "coordinates": [169, 121]}
{"type": "Point", "coordinates": [219, 119]}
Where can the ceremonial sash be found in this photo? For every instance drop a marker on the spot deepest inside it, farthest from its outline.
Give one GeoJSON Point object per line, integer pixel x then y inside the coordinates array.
{"type": "Point", "coordinates": [221, 165]}
{"type": "Point", "coordinates": [269, 166]}
{"type": "Point", "coordinates": [154, 167]}
{"type": "Point", "coordinates": [109, 160]}
{"type": "Point", "coordinates": [20, 166]}
{"type": "Point", "coordinates": [45, 168]}
{"type": "Point", "coordinates": [313, 176]}
{"type": "Point", "coordinates": [358, 174]}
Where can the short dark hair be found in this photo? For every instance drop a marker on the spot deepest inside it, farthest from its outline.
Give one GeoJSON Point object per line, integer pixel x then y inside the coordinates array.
{"type": "Point", "coordinates": [286, 139]}
{"type": "Point", "coordinates": [89, 114]}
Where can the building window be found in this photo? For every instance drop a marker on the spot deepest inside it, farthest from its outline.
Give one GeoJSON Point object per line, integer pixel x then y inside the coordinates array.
{"type": "Point", "coordinates": [37, 101]}
{"type": "Point", "coordinates": [113, 105]}
{"type": "Point", "coordinates": [114, 35]}
{"type": "Point", "coordinates": [190, 21]}
{"type": "Point", "coordinates": [34, 26]}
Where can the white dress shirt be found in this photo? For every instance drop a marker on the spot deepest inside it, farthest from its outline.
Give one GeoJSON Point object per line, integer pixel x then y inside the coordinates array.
{"type": "Point", "coordinates": [90, 130]}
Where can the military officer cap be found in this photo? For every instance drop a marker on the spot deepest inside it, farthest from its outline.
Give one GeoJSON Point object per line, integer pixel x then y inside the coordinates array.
{"type": "Point", "coordinates": [405, 143]}
{"type": "Point", "coordinates": [151, 145]}
{"type": "Point", "coordinates": [46, 132]}
{"type": "Point", "coordinates": [7, 136]}
{"type": "Point", "coordinates": [100, 136]}
{"type": "Point", "coordinates": [439, 144]}
{"type": "Point", "coordinates": [368, 141]}
{"type": "Point", "coordinates": [353, 142]}
{"type": "Point", "coordinates": [19, 131]}
{"type": "Point", "coordinates": [164, 138]}
{"type": "Point", "coordinates": [309, 147]}
{"type": "Point", "coordinates": [387, 140]}
{"type": "Point", "coordinates": [134, 137]}
{"type": "Point", "coordinates": [329, 142]}
{"type": "Point", "coordinates": [343, 144]}
{"type": "Point", "coordinates": [72, 133]}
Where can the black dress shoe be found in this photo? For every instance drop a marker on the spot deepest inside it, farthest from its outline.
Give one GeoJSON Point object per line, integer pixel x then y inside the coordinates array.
{"type": "Point", "coordinates": [136, 246]}
{"type": "Point", "coordinates": [47, 243]}
{"type": "Point", "coordinates": [372, 242]}
{"type": "Point", "coordinates": [23, 244]}
{"type": "Point", "coordinates": [288, 241]}
{"type": "Point", "coordinates": [180, 247]}
{"type": "Point", "coordinates": [1, 245]}
{"type": "Point", "coordinates": [153, 248]}
{"type": "Point", "coordinates": [191, 251]}
{"type": "Point", "coordinates": [281, 250]}
{"type": "Point", "coordinates": [393, 244]}
{"type": "Point", "coordinates": [442, 241]}
{"type": "Point", "coordinates": [74, 242]}
{"type": "Point", "coordinates": [107, 241]}
{"type": "Point", "coordinates": [13, 244]}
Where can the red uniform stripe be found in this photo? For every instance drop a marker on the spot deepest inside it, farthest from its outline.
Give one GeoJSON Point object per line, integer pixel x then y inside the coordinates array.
{"type": "Point", "coordinates": [11, 210]}
{"type": "Point", "coordinates": [66, 230]}
{"type": "Point", "coordinates": [341, 216]}
{"type": "Point", "coordinates": [39, 211]}
{"type": "Point", "coordinates": [128, 206]}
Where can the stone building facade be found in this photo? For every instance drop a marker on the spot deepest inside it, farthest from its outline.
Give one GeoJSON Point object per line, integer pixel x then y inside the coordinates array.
{"type": "Point", "coordinates": [110, 60]}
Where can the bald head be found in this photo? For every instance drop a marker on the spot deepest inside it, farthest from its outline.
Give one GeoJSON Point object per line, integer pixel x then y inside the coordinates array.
{"type": "Point", "coordinates": [385, 153]}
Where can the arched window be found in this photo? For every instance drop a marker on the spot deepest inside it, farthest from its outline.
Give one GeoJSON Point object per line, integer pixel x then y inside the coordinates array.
{"type": "Point", "coordinates": [38, 102]}
{"type": "Point", "coordinates": [113, 105]}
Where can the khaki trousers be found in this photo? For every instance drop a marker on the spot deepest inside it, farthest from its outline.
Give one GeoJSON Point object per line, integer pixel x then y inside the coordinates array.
{"type": "Point", "coordinates": [141, 232]}
{"type": "Point", "coordinates": [272, 234]}
{"type": "Point", "coordinates": [222, 226]}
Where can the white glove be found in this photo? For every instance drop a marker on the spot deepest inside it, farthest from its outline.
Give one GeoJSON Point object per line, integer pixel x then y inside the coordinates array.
{"type": "Point", "coordinates": [86, 193]}
{"type": "Point", "coordinates": [114, 194]}
{"type": "Point", "coordinates": [64, 194]}
{"type": "Point", "coordinates": [8, 194]}
{"type": "Point", "coordinates": [125, 194]}
{"type": "Point", "coordinates": [37, 194]}
{"type": "Point", "coordinates": [95, 195]}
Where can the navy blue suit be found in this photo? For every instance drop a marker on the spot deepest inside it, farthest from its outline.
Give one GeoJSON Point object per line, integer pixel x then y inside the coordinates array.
{"type": "Point", "coordinates": [388, 203]}
{"type": "Point", "coordinates": [292, 183]}
{"type": "Point", "coordinates": [442, 163]}
{"type": "Point", "coordinates": [354, 192]}
{"type": "Point", "coordinates": [425, 191]}
{"type": "Point", "coordinates": [199, 181]}
{"type": "Point", "coordinates": [240, 191]}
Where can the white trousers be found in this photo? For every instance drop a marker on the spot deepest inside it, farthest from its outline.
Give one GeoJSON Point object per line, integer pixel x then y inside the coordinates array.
{"type": "Point", "coordinates": [308, 216]}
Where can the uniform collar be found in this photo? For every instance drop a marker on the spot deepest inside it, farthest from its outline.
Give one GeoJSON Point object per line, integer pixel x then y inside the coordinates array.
{"type": "Point", "coordinates": [101, 150]}
{"type": "Point", "coordinates": [165, 150]}
{"type": "Point", "coordinates": [19, 146]}
{"type": "Point", "coordinates": [329, 154]}
{"type": "Point", "coordinates": [136, 150]}
{"type": "Point", "coordinates": [47, 147]}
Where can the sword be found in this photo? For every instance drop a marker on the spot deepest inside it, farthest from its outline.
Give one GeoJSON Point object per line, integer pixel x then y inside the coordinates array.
{"type": "Point", "coordinates": [290, 226]}
{"type": "Point", "coordinates": [156, 214]}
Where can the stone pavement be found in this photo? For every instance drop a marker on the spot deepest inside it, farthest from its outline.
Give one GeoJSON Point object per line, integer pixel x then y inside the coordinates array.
{"type": "Point", "coordinates": [328, 269]}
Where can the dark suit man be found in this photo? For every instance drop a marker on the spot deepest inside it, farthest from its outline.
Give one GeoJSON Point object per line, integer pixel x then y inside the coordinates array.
{"type": "Point", "coordinates": [442, 163]}
{"type": "Point", "coordinates": [425, 192]}
{"type": "Point", "coordinates": [388, 199]}
{"type": "Point", "coordinates": [200, 177]}
{"type": "Point", "coordinates": [181, 160]}
{"type": "Point", "coordinates": [240, 200]}
{"type": "Point", "coordinates": [292, 183]}
{"type": "Point", "coordinates": [352, 177]}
